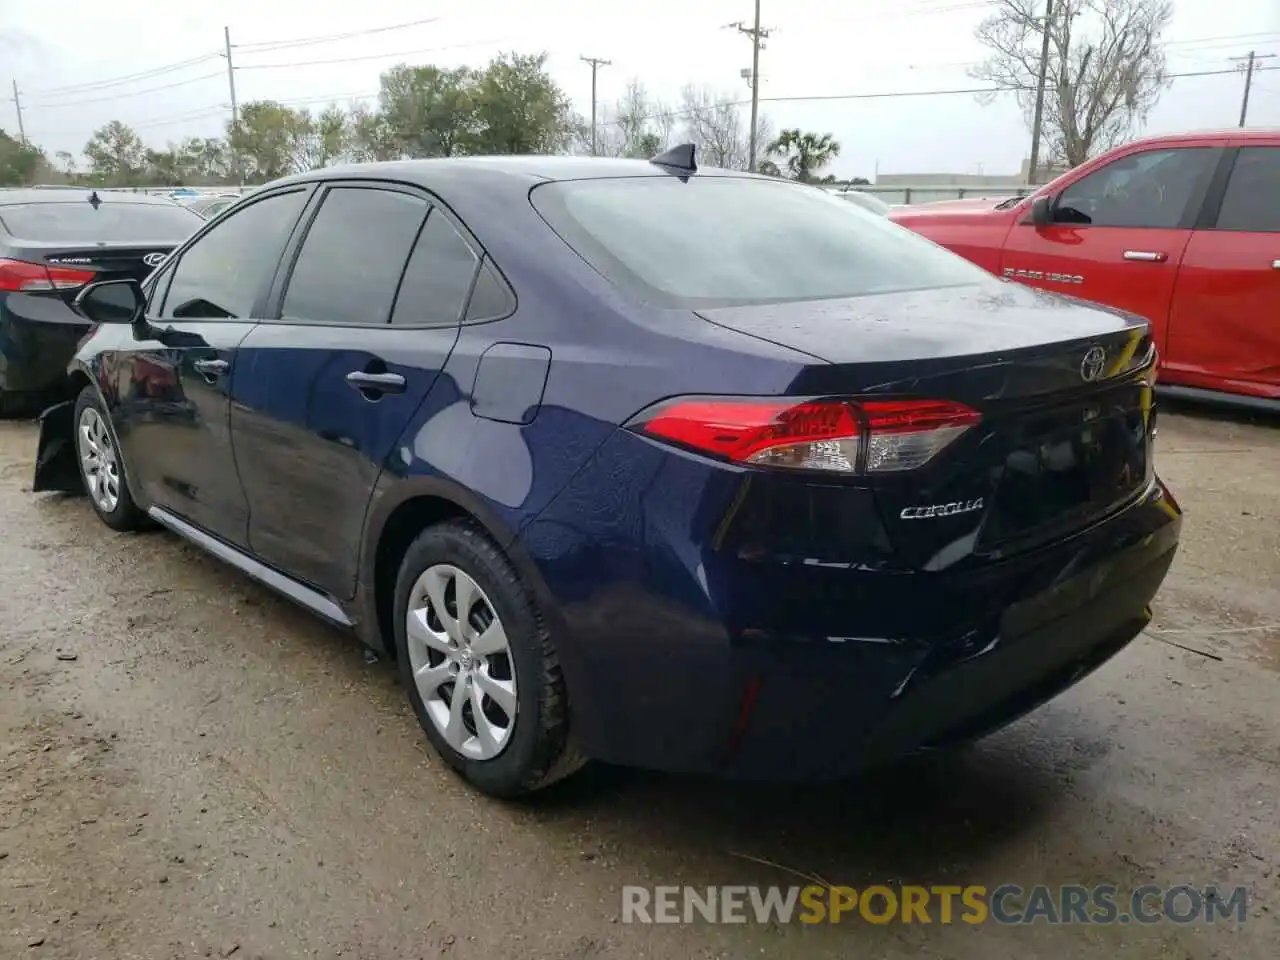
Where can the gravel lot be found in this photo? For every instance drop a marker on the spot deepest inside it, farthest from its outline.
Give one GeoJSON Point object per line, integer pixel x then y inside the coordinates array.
{"type": "Point", "coordinates": [207, 771]}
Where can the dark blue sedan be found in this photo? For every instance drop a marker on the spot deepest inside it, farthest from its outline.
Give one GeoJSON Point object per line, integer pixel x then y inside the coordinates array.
{"type": "Point", "coordinates": [686, 469]}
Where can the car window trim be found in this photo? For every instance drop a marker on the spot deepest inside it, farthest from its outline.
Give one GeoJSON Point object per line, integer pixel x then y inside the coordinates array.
{"type": "Point", "coordinates": [1212, 212]}
{"type": "Point", "coordinates": [170, 266]}
{"type": "Point", "coordinates": [1195, 203]}
{"type": "Point", "coordinates": [275, 301]}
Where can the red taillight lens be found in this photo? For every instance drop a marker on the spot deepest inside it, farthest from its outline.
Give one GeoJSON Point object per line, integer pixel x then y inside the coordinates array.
{"type": "Point", "coordinates": [18, 276]}
{"type": "Point", "coordinates": [842, 436]}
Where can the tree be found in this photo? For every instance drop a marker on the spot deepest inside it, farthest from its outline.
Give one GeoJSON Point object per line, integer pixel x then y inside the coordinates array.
{"type": "Point", "coordinates": [428, 111]}
{"type": "Point", "coordinates": [369, 135]}
{"type": "Point", "coordinates": [18, 161]}
{"type": "Point", "coordinates": [519, 108]}
{"type": "Point", "coordinates": [636, 126]}
{"type": "Point", "coordinates": [205, 160]}
{"type": "Point", "coordinates": [67, 164]}
{"type": "Point", "coordinates": [322, 140]}
{"type": "Point", "coordinates": [802, 155]}
{"type": "Point", "coordinates": [270, 140]}
{"type": "Point", "coordinates": [116, 154]}
{"type": "Point", "coordinates": [1106, 68]}
{"type": "Point", "coordinates": [716, 127]}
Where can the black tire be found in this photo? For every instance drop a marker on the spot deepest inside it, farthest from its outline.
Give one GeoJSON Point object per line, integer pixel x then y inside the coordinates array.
{"type": "Point", "coordinates": [125, 515]}
{"type": "Point", "coordinates": [539, 750]}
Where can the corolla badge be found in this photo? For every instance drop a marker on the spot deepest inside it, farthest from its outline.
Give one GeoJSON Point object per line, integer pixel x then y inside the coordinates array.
{"type": "Point", "coordinates": [941, 509]}
{"type": "Point", "coordinates": [1095, 359]}
{"type": "Point", "coordinates": [153, 259]}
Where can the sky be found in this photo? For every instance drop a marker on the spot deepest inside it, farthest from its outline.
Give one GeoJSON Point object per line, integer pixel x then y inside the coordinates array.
{"type": "Point", "coordinates": [173, 81]}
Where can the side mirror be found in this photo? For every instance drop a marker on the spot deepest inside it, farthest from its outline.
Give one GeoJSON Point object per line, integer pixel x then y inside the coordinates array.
{"type": "Point", "coordinates": [1041, 211]}
{"type": "Point", "coordinates": [112, 301]}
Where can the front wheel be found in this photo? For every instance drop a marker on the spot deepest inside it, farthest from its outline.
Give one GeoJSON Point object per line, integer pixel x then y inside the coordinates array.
{"type": "Point", "coordinates": [478, 664]}
{"type": "Point", "coordinates": [101, 467]}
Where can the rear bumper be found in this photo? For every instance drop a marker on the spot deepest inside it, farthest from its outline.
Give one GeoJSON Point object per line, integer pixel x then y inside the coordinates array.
{"type": "Point", "coordinates": [36, 345]}
{"type": "Point", "coordinates": [685, 655]}
{"type": "Point", "coordinates": [968, 685]}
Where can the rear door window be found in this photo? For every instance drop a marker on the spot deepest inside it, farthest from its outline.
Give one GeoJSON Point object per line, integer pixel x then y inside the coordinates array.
{"type": "Point", "coordinates": [1252, 200]}
{"type": "Point", "coordinates": [438, 277]}
{"type": "Point", "coordinates": [112, 222]}
{"type": "Point", "coordinates": [354, 254]}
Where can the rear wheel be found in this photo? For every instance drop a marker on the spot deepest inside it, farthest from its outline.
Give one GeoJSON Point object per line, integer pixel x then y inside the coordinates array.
{"type": "Point", "coordinates": [101, 467]}
{"type": "Point", "coordinates": [479, 667]}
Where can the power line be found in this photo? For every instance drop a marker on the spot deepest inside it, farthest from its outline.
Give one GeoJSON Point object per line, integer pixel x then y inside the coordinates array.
{"type": "Point", "coordinates": [371, 56]}
{"type": "Point", "coordinates": [1233, 38]}
{"type": "Point", "coordinates": [331, 38]}
{"type": "Point", "coordinates": [263, 47]}
{"type": "Point", "coordinates": [127, 78]}
{"type": "Point", "coordinates": [132, 93]}
{"type": "Point", "coordinates": [205, 112]}
{"type": "Point", "coordinates": [904, 94]}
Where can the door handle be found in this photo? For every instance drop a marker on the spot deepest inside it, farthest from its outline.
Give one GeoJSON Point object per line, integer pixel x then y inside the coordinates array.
{"type": "Point", "coordinates": [211, 370]}
{"type": "Point", "coordinates": [376, 383]}
{"type": "Point", "coordinates": [1275, 264]}
{"type": "Point", "coordinates": [1146, 256]}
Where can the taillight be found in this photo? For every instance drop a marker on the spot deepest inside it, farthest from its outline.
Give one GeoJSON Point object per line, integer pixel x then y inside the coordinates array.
{"type": "Point", "coordinates": [18, 276]}
{"type": "Point", "coordinates": [842, 436]}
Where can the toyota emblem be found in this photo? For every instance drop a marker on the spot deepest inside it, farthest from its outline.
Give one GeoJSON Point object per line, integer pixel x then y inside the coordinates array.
{"type": "Point", "coordinates": [153, 259]}
{"type": "Point", "coordinates": [1091, 366]}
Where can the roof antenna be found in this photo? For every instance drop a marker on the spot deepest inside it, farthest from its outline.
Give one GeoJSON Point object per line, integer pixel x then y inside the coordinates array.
{"type": "Point", "coordinates": [678, 160]}
{"type": "Point", "coordinates": [94, 200]}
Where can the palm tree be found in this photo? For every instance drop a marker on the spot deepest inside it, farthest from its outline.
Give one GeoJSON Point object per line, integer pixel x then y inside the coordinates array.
{"type": "Point", "coordinates": [803, 154]}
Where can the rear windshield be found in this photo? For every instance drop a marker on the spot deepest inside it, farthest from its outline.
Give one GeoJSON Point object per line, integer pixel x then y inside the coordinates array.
{"type": "Point", "coordinates": [722, 241]}
{"type": "Point", "coordinates": [111, 222]}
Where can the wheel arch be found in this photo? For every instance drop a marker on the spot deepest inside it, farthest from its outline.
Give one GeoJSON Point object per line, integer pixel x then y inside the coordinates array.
{"type": "Point", "coordinates": [401, 510]}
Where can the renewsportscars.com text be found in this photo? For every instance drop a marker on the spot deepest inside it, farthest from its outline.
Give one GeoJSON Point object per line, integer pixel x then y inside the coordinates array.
{"type": "Point", "coordinates": [942, 904]}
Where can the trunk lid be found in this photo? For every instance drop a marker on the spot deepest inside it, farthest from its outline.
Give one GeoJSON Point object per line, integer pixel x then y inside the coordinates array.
{"type": "Point", "coordinates": [72, 266]}
{"type": "Point", "coordinates": [1064, 390]}
{"type": "Point", "coordinates": [107, 261]}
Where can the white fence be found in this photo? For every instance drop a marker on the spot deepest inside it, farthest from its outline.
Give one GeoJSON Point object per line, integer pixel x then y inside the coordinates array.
{"type": "Point", "coordinates": [900, 194]}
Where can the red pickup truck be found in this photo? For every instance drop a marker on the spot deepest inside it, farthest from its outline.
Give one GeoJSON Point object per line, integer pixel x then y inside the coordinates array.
{"type": "Point", "coordinates": [1183, 230]}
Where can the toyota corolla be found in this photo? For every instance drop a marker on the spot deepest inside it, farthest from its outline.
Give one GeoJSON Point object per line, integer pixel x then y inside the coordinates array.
{"type": "Point", "coordinates": [679, 468]}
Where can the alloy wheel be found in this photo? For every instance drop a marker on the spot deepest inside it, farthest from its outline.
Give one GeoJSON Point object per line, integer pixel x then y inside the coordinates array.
{"type": "Point", "coordinates": [98, 460]}
{"type": "Point", "coordinates": [461, 661]}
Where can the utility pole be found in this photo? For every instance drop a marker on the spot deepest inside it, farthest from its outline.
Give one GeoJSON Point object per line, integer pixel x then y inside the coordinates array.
{"type": "Point", "coordinates": [1038, 116]}
{"type": "Point", "coordinates": [1249, 63]}
{"type": "Point", "coordinates": [17, 103]}
{"type": "Point", "coordinates": [235, 115]}
{"type": "Point", "coordinates": [596, 63]}
{"type": "Point", "coordinates": [757, 36]}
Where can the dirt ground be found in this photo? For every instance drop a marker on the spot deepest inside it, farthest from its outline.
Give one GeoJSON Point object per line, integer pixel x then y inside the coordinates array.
{"type": "Point", "coordinates": [191, 767]}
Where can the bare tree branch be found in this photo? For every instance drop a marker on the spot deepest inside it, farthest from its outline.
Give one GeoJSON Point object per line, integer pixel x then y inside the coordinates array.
{"type": "Point", "coordinates": [1106, 68]}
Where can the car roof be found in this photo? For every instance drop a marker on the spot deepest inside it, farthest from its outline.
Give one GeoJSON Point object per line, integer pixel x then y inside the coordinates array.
{"type": "Point", "coordinates": [1232, 133]}
{"type": "Point", "coordinates": [512, 170]}
{"type": "Point", "coordinates": [11, 195]}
